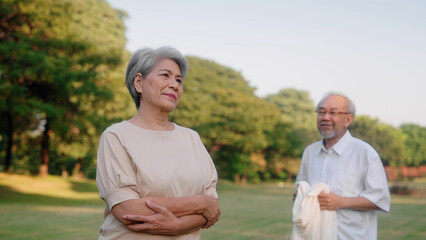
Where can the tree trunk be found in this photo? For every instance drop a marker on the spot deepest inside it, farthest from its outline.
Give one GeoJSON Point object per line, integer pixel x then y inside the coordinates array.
{"type": "Point", "coordinates": [243, 180]}
{"type": "Point", "coordinates": [289, 177]}
{"type": "Point", "coordinates": [64, 173]}
{"type": "Point", "coordinates": [9, 144]}
{"type": "Point", "coordinates": [237, 178]}
{"type": "Point", "coordinates": [240, 179]}
{"type": "Point", "coordinates": [214, 149]}
{"type": "Point", "coordinates": [77, 169]}
{"type": "Point", "coordinates": [45, 142]}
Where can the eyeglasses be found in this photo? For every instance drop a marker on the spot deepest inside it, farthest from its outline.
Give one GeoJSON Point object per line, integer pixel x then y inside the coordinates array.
{"type": "Point", "coordinates": [322, 113]}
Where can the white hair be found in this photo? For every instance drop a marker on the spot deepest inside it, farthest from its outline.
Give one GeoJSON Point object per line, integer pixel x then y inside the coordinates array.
{"type": "Point", "coordinates": [349, 105]}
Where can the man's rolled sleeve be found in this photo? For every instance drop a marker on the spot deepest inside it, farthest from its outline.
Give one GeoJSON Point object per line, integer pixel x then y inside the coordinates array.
{"type": "Point", "coordinates": [377, 190]}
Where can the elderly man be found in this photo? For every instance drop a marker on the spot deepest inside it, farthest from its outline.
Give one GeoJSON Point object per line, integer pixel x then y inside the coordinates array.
{"type": "Point", "coordinates": [351, 168]}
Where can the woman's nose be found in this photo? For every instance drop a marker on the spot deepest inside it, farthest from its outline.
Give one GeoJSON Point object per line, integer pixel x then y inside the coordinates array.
{"type": "Point", "coordinates": [173, 83]}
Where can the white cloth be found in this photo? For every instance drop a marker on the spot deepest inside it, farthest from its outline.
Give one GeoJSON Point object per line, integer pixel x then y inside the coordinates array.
{"type": "Point", "coordinates": [310, 222]}
{"type": "Point", "coordinates": [351, 168]}
{"type": "Point", "coordinates": [134, 162]}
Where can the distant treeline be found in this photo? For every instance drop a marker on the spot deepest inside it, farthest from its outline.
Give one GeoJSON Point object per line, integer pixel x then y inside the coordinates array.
{"type": "Point", "coordinates": [62, 67]}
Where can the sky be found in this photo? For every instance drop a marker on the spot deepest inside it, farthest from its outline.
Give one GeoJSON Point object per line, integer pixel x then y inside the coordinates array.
{"type": "Point", "coordinates": [374, 51]}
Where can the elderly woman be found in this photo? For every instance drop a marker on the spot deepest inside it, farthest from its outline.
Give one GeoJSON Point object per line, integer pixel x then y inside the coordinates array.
{"type": "Point", "coordinates": [156, 177]}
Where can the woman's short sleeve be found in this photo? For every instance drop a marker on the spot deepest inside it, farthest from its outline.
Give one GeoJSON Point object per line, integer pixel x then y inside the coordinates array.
{"type": "Point", "coordinates": [210, 169]}
{"type": "Point", "coordinates": [115, 174]}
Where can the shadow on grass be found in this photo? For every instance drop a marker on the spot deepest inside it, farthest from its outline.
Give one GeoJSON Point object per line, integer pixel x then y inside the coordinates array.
{"type": "Point", "coordinates": [8, 195]}
{"type": "Point", "coordinates": [81, 186]}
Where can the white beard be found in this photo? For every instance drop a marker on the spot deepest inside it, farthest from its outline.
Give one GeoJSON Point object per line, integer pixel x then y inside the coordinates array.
{"type": "Point", "coordinates": [328, 135]}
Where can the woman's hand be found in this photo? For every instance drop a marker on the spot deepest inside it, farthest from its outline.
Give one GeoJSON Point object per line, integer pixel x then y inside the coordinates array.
{"type": "Point", "coordinates": [168, 216]}
{"type": "Point", "coordinates": [211, 211]}
{"type": "Point", "coordinates": [163, 222]}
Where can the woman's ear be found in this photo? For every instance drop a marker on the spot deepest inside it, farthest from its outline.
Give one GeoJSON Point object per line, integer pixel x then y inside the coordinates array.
{"type": "Point", "coordinates": [137, 83]}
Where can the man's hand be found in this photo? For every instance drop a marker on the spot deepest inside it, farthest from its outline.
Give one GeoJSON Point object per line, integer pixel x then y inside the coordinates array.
{"type": "Point", "coordinates": [163, 222]}
{"type": "Point", "coordinates": [329, 201]}
{"type": "Point", "coordinates": [211, 212]}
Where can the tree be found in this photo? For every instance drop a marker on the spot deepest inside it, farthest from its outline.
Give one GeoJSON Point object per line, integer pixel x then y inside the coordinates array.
{"type": "Point", "coordinates": [293, 133]}
{"type": "Point", "coordinates": [95, 22]}
{"type": "Point", "coordinates": [220, 105]}
{"type": "Point", "coordinates": [205, 77]}
{"type": "Point", "coordinates": [57, 55]}
{"type": "Point", "coordinates": [297, 110]}
{"type": "Point", "coordinates": [387, 140]}
{"type": "Point", "coordinates": [415, 144]}
{"type": "Point", "coordinates": [13, 103]}
{"type": "Point", "coordinates": [283, 150]}
{"type": "Point", "coordinates": [238, 125]}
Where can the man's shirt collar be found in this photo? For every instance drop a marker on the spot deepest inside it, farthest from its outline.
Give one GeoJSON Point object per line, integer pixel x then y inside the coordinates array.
{"type": "Point", "coordinates": [339, 147]}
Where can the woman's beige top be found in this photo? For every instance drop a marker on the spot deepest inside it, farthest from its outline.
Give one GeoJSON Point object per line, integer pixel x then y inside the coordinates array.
{"type": "Point", "coordinates": [134, 162]}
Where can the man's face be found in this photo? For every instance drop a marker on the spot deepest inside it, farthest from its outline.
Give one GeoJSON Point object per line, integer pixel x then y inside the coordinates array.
{"type": "Point", "coordinates": [332, 119]}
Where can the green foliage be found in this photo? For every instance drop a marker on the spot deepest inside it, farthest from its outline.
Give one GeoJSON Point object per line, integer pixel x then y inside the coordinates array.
{"type": "Point", "coordinates": [388, 141]}
{"type": "Point", "coordinates": [220, 105]}
{"type": "Point", "coordinates": [62, 66]}
{"type": "Point", "coordinates": [415, 144]}
{"type": "Point", "coordinates": [232, 163]}
{"type": "Point", "coordinates": [201, 85]}
{"type": "Point", "coordinates": [298, 111]}
{"type": "Point", "coordinates": [295, 106]}
{"type": "Point", "coordinates": [236, 121]}
{"type": "Point", "coordinates": [295, 130]}
{"type": "Point", "coordinates": [56, 57]}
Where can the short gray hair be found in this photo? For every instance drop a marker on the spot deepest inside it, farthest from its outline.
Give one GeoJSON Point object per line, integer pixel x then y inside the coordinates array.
{"type": "Point", "coordinates": [349, 105]}
{"type": "Point", "coordinates": [144, 60]}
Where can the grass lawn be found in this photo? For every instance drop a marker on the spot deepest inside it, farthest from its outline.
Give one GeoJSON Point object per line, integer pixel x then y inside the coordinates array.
{"type": "Point", "coordinates": [70, 209]}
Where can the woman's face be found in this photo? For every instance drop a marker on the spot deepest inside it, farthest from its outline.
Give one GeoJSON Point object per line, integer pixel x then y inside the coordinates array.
{"type": "Point", "coordinates": [162, 88]}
